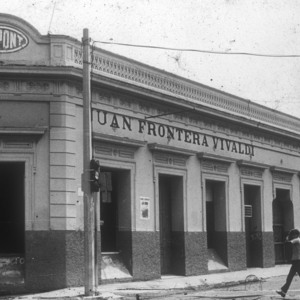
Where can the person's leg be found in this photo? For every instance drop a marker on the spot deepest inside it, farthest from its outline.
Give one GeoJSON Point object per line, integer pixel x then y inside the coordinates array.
{"type": "Point", "coordinates": [297, 263]}
{"type": "Point", "coordinates": [290, 277]}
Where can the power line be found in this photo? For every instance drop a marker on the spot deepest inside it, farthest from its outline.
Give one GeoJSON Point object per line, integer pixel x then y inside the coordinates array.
{"type": "Point", "coordinates": [51, 17]}
{"type": "Point", "coordinates": [199, 50]}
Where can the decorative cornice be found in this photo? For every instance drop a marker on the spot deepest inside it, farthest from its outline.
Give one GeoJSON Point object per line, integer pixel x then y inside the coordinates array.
{"type": "Point", "coordinates": [283, 170]}
{"type": "Point", "coordinates": [213, 157]}
{"type": "Point", "coordinates": [251, 169]}
{"type": "Point", "coordinates": [130, 71]}
{"type": "Point", "coordinates": [119, 71]}
{"type": "Point", "coordinates": [15, 131]}
{"type": "Point", "coordinates": [250, 164]}
{"type": "Point", "coordinates": [283, 174]}
{"type": "Point", "coordinates": [172, 150]}
{"type": "Point", "coordinates": [57, 52]}
{"type": "Point", "coordinates": [214, 163]}
{"type": "Point", "coordinates": [111, 139]}
{"type": "Point", "coordinates": [49, 85]}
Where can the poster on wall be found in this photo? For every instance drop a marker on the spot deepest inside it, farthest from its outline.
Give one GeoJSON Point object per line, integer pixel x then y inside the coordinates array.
{"type": "Point", "coordinates": [145, 208]}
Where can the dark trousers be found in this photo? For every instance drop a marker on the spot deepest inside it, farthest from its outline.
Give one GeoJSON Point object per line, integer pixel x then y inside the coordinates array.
{"type": "Point", "coordinates": [295, 268]}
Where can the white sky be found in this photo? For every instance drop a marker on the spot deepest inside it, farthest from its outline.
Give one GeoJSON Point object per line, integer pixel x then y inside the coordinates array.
{"type": "Point", "coordinates": [255, 26]}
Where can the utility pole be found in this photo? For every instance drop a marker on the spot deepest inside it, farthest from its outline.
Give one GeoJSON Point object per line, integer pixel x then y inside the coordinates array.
{"type": "Point", "coordinates": [89, 203]}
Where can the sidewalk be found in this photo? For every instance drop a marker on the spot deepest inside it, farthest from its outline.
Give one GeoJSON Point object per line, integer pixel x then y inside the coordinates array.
{"type": "Point", "coordinates": [168, 284]}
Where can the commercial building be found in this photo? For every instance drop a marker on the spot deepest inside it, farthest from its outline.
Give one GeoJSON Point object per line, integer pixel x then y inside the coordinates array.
{"type": "Point", "coordinates": [194, 180]}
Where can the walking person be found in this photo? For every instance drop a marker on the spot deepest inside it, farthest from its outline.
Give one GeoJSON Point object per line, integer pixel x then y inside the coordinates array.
{"type": "Point", "coordinates": [294, 238]}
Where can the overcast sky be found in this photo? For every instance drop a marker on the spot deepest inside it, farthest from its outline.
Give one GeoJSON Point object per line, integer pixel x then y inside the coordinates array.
{"type": "Point", "coordinates": [258, 26]}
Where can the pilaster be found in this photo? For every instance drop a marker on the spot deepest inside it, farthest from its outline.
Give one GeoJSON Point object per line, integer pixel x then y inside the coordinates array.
{"type": "Point", "coordinates": [62, 166]}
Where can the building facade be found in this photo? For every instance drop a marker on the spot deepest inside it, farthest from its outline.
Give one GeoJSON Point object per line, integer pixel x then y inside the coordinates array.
{"type": "Point", "coordinates": [193, 180]}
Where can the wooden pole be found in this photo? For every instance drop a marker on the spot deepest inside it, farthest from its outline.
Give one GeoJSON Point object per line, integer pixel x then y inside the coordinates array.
{"type": "Point", "coordinates": [89, 205]}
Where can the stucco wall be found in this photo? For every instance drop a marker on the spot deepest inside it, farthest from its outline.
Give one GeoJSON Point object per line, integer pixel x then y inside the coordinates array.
{"type": "Point", "coordinates": [137, 127]}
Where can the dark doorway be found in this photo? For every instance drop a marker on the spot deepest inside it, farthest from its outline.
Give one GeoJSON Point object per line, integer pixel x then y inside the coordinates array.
{"type": "Point", "coordinates": [115, 207]}
{"type": "Point", "coordinates": [283, 221]}
{"type": "Point", "coordinates": [210, 223]}
{"type": "Point", "coordinates": [252, 201]}
{"type": "Point", "coordinates": [12, 208]}
{"type": "Point", "coordinates": [171, 224]}
{"type": "Point", "coordinates": [216, 219]}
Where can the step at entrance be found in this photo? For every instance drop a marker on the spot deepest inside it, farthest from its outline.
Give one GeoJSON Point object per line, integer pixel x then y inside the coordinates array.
{"type": "Point", "coordinates": [215, 262]}
{"type": "Point", "coordinates": [113, 268]}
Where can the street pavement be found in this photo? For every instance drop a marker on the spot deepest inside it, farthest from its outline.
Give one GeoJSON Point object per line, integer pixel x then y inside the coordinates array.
{"type": "Point", "coordinates": [253, 283]}
{"type": "Point", "coordinates": [262, 290]}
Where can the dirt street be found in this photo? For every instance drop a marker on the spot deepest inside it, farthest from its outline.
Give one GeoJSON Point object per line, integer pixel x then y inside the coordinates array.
{"type": "Point", "coordinates": [254, 290]}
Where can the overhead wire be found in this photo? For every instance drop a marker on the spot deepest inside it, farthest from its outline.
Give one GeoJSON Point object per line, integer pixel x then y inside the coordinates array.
{"type": "Point", "coordinates": [199, 50]}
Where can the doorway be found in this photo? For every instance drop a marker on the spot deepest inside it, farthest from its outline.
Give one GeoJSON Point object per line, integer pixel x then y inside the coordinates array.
{"type": "Point", "coordinates": [12, 208]}
{"type": "Point", "coordinates": [12, 222]}
{"type": "Point", "coordinates": [283, 221]}
{"type": "Point", "coordinates": [171, 224]}
{"type": "Point", "coordinates": [215, 192]}
{"type": "Point", "coordinates": [253, 225]}
{"type": "Point", "coordinates": [115, 207]}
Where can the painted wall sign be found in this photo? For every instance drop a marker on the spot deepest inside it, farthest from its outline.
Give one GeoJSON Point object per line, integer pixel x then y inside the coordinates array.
{"type": "Point", "coordinates": [155, 129]}
{"type": "Point", "coordinates": [11, 39]}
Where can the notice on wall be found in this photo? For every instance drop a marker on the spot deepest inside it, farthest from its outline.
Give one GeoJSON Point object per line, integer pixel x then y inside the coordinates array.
{"type": "Point", "coordinates": [144, 208]}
